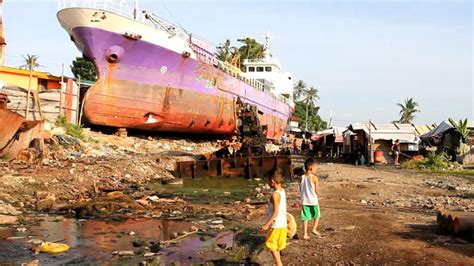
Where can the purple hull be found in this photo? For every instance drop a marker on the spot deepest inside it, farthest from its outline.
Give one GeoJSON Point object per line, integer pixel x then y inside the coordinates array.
{"type": "Point", "coordinates": [137, 78]}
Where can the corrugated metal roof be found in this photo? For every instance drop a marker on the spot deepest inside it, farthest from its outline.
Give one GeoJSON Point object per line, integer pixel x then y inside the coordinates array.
{"type": "Point", "coordinates": [392, 131]}
{"type": "Point", "coordinates": [423, 129]}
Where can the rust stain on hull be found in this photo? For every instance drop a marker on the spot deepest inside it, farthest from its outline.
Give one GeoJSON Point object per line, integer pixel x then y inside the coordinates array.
{"type": "Point", "coordinates": [156, 108]}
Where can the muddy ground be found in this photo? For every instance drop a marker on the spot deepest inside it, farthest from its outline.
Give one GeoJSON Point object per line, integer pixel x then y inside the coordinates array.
{"type": "Point", "coordinates": [370, 215]}
{"type": "Point", "coordinates": [383, 215]}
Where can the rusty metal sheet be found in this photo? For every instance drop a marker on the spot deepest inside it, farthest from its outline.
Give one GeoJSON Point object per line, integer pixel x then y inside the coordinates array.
{"type": "Point", "coordinates": [10, 123]}
{"type": "Point", "coordinates": [27, 132]}
{"type": "Point", "coordinates": [246, 167]}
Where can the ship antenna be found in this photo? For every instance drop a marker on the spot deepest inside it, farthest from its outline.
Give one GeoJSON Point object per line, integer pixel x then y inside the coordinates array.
{"type": "Point", "coordinates": [268, 38]}
{"type": "Point", "coordinates": [175, 20]}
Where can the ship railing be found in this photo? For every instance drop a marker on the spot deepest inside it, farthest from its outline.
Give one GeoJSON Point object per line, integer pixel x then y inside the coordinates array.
{"type": "Point", "coordinates": [116, 6]}
{"type": "Point", "coordinates": [235, 72]}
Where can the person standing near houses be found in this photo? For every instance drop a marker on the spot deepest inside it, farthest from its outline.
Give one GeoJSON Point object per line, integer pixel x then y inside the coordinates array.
{"type": "Point", "coordinates": [396, 151]}
{"type": "Point", "coordinates": [295, 147]}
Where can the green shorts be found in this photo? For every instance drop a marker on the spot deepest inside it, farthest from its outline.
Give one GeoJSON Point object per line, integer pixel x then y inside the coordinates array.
{"type": "Point", "coordinates": [310, 212]}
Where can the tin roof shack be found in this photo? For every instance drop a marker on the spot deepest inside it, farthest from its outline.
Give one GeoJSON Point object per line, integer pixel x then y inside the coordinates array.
{"type": "Point", "coordinates": [370, 138]}
{"type": "Point", "coordinates": [328, 142]}
{"type": "Point", "coordinates": [451, 142]}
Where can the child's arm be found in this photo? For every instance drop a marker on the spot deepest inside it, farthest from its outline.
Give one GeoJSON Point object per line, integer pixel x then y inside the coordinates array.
{"type": "Point", "coordinates": [276, 204]}
{"type": "Point", "coordinates": [316, 184]}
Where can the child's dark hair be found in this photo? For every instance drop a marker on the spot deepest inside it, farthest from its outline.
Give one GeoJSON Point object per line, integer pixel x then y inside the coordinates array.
{"type": "Point", "coordinates": [308, 163]}
{"type": "Point", "coordinates": [275, 174]}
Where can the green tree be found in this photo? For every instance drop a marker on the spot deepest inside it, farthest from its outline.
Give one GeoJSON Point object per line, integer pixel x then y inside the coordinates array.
{"type": "Point", "coordinates": [299, 89]}
{"type": "Point", "coordinates": [224, 52]}
{"type": "Point", "coordinates": [84, 68]}
{"type": "Point", "coordinates": [310, 97]}
{"type": "Point", "coordinates": [461, 127]}
{"type": "Point", "coordinates": [315, 122]}
{"type": "Point", "coordinates": [408, 110]}
{"type": "Point", "coordinates": [30, 63]}
{"type": "Point", "coordinates": [251, 49]}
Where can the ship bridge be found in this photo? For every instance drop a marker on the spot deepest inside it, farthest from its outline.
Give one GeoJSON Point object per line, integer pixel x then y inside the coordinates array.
{"type": "Point", "coordinates": [267, 70]}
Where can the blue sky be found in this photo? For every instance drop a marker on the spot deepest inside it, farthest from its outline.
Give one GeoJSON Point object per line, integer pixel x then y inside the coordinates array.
{"type": "Point", "coordinates": [362, 56]}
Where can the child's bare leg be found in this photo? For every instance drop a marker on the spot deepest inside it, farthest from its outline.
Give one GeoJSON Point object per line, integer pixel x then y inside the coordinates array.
{"type": "Point", "coordinates": [305, 230]}
{"type": "Point", "coordinates": [315, 227]}
{"type": "Point", "coordinates": [276, 257]}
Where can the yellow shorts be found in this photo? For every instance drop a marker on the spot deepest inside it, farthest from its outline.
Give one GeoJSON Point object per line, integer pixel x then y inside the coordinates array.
{"type": "Point", "coordinates": [276, 239]}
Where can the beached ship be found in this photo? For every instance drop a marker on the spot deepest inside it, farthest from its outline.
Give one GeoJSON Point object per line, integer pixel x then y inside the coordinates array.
{"type": "Point", "coordinates": [154, 75]}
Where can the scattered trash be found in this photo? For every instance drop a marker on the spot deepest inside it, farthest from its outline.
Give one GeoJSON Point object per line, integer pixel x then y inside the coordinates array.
{"type": "Point", "coordinates": [49, 247]}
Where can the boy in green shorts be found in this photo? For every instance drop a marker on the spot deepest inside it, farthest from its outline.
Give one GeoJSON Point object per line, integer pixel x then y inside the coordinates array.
{"type": "Point", "coordinates": [309, 193]}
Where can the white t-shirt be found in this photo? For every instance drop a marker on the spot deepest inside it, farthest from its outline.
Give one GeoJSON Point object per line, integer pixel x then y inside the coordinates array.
{"type": "Point", "coordinates": [308, 194]}
{"type": "Point", "coordinates": [280, 220]}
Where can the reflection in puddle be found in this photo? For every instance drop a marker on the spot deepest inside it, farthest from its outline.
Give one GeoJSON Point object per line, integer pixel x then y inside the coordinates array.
{"type": "Point", "coordinates": [94, 241]}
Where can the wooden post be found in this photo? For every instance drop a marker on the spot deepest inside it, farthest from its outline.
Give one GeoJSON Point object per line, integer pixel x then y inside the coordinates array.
{"type": "Point", "coordinates": [61, 100]}
{"type": "Point", "coordinates": [78, 110]}
{"type": "Point", "coordinates": [27, 109]}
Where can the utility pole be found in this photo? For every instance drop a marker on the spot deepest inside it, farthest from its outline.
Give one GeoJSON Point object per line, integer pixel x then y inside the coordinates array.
{"type": "Point", "coordinates": [330, 119]}
{"type": "Point", "coordinates": [306, 119]}
{"type": "Point", "coordinates": [369, 157]}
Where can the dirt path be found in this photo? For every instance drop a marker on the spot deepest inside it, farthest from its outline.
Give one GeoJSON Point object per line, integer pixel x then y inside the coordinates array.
{"type": "Point", "coordinates": [400, 227]}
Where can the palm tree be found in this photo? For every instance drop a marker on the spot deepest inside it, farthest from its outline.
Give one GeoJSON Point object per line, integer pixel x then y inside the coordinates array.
{"type": "Point", "coordinates": [408, 110]}
{"type": "Point", "coordinates": [299, 89]}
{"type": "Point", "coordinates": [311, 97]}
{"type": "Point", "coordinates": [461, 127]}
{"type": "Point", "coordinates": [251, 49]}
{"type": "Point", "coordinates": [30, 63]}
{"type": "Point", "coordinates": [224, 51]}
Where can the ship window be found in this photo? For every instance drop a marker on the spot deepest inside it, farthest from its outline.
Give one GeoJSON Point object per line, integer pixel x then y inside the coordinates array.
{"type": "Point", "coordinates": [259, 69]}
{"type": "Point", "coordinates": [268, 69]}
{"type": "Point", "coordinates": [251, 69]}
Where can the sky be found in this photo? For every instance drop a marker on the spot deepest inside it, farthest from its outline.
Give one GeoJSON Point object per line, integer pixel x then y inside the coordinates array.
{"type": "Point", "coordinates": [364, 57]}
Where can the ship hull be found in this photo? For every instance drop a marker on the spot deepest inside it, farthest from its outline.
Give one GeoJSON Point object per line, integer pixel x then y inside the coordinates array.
{"type": "Point", "coordinates": [145, 85]}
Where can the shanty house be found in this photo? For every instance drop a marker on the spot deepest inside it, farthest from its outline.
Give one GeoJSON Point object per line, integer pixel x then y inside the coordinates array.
{"type": "Point", "coordinates": [448, 139]}
{"type": "Point", "coordinates": [368, 139]}
{"type": "Point", "coordinates": [329, 142]}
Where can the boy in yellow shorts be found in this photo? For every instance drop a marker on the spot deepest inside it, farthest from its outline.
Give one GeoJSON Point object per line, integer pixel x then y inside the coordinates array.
{"type": "Point", "coordinates": [276, 223]}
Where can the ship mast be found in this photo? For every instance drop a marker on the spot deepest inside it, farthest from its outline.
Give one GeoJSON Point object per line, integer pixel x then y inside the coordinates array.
{"type": "Point", "coordinates": [136, 9]}
{"type": "Point", "coordinates": [268, 38]}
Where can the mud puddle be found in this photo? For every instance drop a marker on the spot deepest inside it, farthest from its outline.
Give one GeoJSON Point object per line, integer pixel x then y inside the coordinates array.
{"type": "Point", "coordinates": [97, 242]}
{"type": "Point", "coordinates": [222, 190]}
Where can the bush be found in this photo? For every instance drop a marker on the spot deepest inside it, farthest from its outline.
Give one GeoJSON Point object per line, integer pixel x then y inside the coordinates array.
{"type": "Point", "coordinates": [71, 129]}
{"type": "Point", "coordinates": [432, 162]}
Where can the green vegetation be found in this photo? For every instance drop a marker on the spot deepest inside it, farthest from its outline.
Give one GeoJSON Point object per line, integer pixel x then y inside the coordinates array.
{"type": "Point", "coordinates": [30, 62]}
{"type": "Point", "coordinates": [461, 127]}
{"type": "Point", "coordinates": [306, 108]}
{"type": "Point", "coordinates": [438, 164]}
{"type": "Point", "coordinates": [468, 173]}
{"type": "Point", "coordinates": [71, 129]}
{"type": "Point", "coordinates": [224, 51]}
{"type": "Point", "coordinates": [250, 49]}
{"type": "Point", "coordinates": [432, 162]}
{"type": "Point", "coordinates": [83, 68]}
{"type": "Point", "coordinates": [408, 110]}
